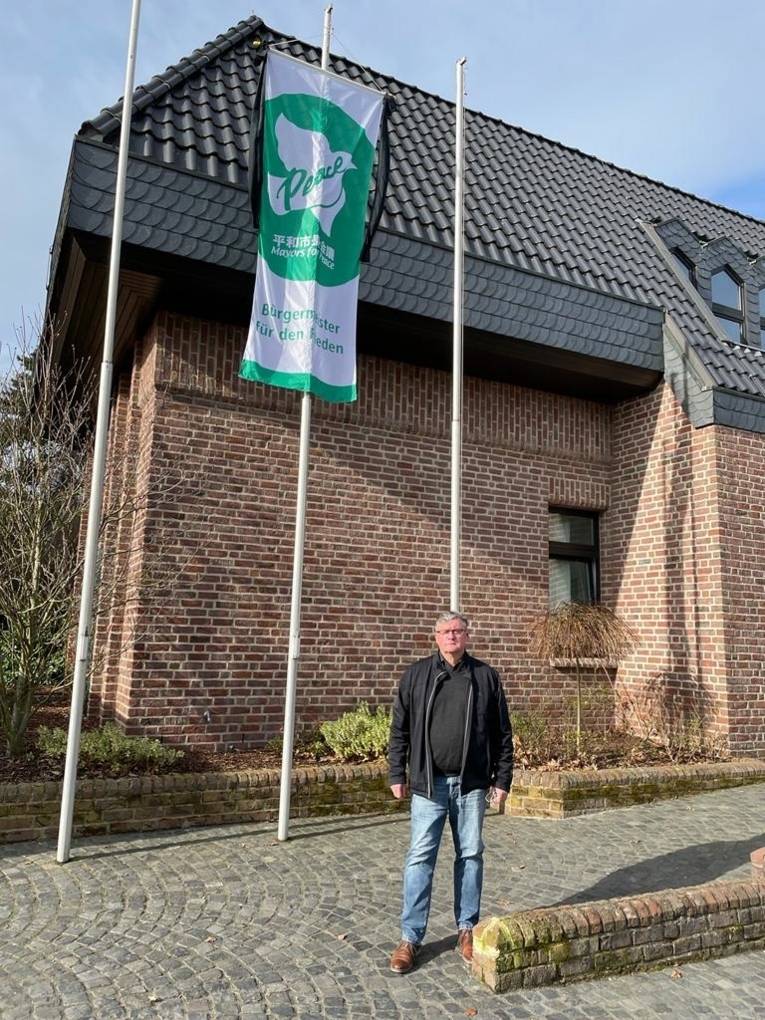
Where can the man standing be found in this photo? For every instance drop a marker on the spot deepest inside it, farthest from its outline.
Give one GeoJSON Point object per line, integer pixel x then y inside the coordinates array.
{"type": "Point", "coordinates": [450, 724]}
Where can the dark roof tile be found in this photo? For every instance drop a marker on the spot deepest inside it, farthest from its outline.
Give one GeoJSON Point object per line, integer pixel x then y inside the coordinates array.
{"type": "Point", "coordinates": [531, 203]}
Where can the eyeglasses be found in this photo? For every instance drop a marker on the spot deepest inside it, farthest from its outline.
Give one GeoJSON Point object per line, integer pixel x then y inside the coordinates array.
{"type": "Point", "coordinates": [456, 632]}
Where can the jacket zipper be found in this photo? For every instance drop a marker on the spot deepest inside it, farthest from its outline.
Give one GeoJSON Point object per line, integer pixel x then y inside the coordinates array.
{"type": "Point", "coordinates": [466, 738]}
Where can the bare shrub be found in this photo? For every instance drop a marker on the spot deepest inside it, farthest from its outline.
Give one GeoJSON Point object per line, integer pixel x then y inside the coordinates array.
{"type": "Point", "coordinates": [673, 715]}
{"type": "Point", "coordinates": [581, 635]}
{"type": "Point", "coordinates": [45, 441]}
{"type": "Point", "coordinates": [44, 437]}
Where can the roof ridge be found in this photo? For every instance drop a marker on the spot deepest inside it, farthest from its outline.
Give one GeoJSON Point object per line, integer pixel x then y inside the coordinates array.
{"type": "Point", "coordinates": [554, 141]}
{"type": "Point", "coordinates": [558, 144]}
{"type": "Point", "coordinates": [615, 166]}
{"type": "Point", "coordinates": [108, 120]}
{"type": "Point", "coordinates": [570, 148]}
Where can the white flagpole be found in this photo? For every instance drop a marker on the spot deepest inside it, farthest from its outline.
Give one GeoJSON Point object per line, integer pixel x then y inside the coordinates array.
{"type": "Point", "coordinates": [297, 564]}
{"type": "Point", "coordinates": [456, 498]}
{"type": "Point", "coordinates": [82, 655]}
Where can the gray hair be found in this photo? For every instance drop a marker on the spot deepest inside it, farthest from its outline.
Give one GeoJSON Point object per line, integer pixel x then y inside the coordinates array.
{"type": "Point", "coordinates": [448, 617]}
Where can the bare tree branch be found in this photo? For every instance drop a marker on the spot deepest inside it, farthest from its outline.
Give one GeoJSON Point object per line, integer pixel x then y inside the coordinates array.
{"type": "Point", "coordinates": [45, 438]}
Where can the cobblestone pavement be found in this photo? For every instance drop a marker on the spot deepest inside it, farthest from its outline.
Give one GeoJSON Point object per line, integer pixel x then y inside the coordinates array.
{"type": "Point", "coordinates": [226, 922]}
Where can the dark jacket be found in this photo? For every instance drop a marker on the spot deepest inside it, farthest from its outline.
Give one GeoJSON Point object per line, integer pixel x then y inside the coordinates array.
{"type": "Point", "coordinates": [487, 755]}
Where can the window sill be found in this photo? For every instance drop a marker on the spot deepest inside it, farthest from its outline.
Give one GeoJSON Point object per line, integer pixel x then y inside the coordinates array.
{"type": "Point", "coordinates": [586, 663]}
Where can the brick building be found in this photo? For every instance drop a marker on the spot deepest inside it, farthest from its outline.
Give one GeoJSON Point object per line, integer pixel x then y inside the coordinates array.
{"type": "Point", "coordinates": [613, 424]}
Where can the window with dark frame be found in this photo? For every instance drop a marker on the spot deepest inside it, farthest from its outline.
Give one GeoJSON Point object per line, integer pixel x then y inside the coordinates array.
{"type": "Point", "coordinates": [573, 556]}
{"type": "Point", "coordinates": [762, 318]}
{"type": "Point", "coordinates": [727, 303]}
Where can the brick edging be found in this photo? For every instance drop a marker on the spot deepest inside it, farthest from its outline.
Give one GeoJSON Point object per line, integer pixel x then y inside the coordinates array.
{"type": "Point", "coordinates": [181, 800]}
{"type": "Point", "coordinates": [616, 936]}
{"type": "Point", "coordinates": [560, 794]}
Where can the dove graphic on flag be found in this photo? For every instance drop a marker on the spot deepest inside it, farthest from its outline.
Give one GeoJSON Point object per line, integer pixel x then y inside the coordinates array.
{"type": "Point", "coordinates": [315, 174]}
{"type": "Point", "coordinates": [318, 138]}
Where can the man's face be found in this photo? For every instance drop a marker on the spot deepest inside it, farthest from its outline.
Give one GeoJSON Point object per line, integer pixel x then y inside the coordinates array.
{"type": "Point", "coordinates": [452, 638]}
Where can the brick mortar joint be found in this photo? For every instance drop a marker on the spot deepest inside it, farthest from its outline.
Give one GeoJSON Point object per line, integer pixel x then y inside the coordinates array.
{"type": "Point", "coordinates": [544, 927]}
{"type": "Point", "coordinates": [177, 782]}
{"type": "Point", "coordinates": [740, 768]}
{"type": "Point", "coordinates": [524, 778]}
{"type": "Point", "coordinates": [171, 389]}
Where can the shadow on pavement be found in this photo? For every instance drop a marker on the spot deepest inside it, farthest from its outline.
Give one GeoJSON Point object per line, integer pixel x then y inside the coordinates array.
{"type": "Point", "coordinates": [692, 865]}
{"type": "Point", "coordinates": [316, 831]}
{"type": "Point", "coordinates": [431, 950]}
{"type": "Point", "coordinates": [152, 842]}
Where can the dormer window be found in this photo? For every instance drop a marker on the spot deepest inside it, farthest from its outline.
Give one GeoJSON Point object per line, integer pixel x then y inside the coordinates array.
{"type": "Point", "coordinates": [762, 318]}
{"type": "Point", "coordinates": [727, 304]}
{"type": "Point", "coordinates": [685, 266]}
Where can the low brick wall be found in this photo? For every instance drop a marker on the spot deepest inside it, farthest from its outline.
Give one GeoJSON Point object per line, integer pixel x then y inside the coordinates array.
{"type": "Point", "coordinates": [568, 943]}
{"type": "Point", "coordinates": [560, 794]}
{"type": "Point", "coordinates": [103, 806]}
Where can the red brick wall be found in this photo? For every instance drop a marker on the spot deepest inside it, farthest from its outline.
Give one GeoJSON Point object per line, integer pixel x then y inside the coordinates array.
{"type": "Point", "coordinates": [194, 642]}
{"type": "Point", "coordinates": [662, 568]}
{"type": "Point", "coordinates": [741, 469]}
{"type": "Point", "coordinates": [122, 577]}
{"type": "Point", "coordinates": [377, 542]}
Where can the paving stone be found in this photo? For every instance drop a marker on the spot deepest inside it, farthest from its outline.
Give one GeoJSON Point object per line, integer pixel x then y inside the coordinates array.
{"type": "Point", "coordinates": [218, 923]}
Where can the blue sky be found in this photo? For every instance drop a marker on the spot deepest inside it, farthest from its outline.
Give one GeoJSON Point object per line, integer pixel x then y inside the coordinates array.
{"type": "Point", "coordinates": [669, 88]}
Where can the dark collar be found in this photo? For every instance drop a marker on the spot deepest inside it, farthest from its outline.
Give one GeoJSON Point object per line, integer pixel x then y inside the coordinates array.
{"type": "Point", "coordinates": [463, 664]}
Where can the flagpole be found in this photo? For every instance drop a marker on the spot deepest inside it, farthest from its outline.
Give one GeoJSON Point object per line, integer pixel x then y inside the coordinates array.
{"type": "Point", "coordinates": [82, 655]}
{"type": "Point", "coordinates": [457, 342]}
{"type": "Point", "coordinates": [297, 563]}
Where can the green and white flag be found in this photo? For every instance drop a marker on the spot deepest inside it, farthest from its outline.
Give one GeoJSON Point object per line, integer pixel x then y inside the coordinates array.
{"type": "Point", "coordinates": [319, 135]}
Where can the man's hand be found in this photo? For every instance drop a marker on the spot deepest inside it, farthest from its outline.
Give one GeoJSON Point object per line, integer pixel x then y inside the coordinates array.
{"type": "Point", "coordinates": [498, 796]}
{"type": "Point", "coordinates": [399, 790]}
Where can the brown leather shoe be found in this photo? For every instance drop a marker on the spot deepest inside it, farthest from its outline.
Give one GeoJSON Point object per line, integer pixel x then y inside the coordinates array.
{"type": "Point", "coordinates": [402, 960]}
{"type": "Point", "coordinates": [465, 944]}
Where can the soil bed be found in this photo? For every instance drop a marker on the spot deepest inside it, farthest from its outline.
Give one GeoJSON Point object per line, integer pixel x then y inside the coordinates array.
{"type": "Point", "coordinates": [604, 750]}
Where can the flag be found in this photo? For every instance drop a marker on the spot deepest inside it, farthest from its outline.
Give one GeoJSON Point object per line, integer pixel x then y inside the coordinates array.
{"type": "Point", "coordinates": [317, 136]}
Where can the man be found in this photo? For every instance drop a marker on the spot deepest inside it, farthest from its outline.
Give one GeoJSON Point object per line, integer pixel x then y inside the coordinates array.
{"type": "Point", "coordinates": [450, 724]}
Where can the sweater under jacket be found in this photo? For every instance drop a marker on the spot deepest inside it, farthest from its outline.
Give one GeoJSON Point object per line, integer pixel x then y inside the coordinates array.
{"type": "Point", "coordinates": [487, 753]}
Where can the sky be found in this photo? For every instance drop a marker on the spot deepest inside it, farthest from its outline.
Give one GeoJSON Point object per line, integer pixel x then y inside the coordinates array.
{"type": "Point", "coordinates": [668, 88]}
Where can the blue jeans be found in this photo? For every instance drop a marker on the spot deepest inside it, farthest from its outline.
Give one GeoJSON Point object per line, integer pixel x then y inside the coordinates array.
{"type": "Point", "coordinates": [427, 825]}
